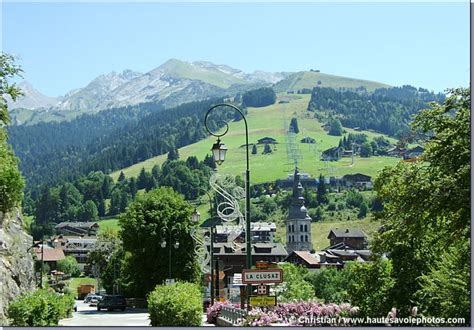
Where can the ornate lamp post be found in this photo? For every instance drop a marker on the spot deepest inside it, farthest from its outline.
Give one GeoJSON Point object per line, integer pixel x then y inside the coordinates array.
{"type": "Point", "coordinates": [219, 151]}
{"type": "Point", "coordinates": [164, 243]}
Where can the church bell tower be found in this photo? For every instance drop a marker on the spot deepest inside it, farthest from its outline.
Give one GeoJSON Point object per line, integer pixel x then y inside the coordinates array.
{"type": "Point", "coordinates": [298, 223]}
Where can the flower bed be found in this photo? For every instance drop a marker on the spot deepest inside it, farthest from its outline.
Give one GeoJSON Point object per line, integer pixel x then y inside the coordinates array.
{"type": "Point", "coordinates": [299, 314]}
{"type": "Point", "coordinates": [212, 312]}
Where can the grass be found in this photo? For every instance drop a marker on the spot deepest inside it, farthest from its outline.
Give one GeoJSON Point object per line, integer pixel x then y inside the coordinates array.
{"type": "Point", "coordinates": [109, 224]}
{"type": "Point", "coordinates": [269, 121]}
{"type": "Point", "coordinates": [320, 230]}
{"type": "Point", "coordinates": [309, 79]}
{"type": "Point", "coordinates": [75, 282]}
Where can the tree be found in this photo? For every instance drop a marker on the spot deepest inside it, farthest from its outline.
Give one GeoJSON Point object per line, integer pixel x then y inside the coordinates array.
{"type": "Point", "coordinates": [254, 149]}
{"type": "Point", "coordinates": [89, 212]}
{"type": "Point", "coordinates": [69, 266]}
{"type": "Point", "coordinates": [259, 97]}
{"type": "Point", "coordinates": [144, 226]}
{"type": "Point", "coordinates": [423, 224]}
{"type": "Point", "coordinates": [173, 154]}
{"type": "Point", "coordinates": [143, 179]}
{"type": "Point", "coordinates": [330, 284]}
{"type": "Point", "coordinates": [366, 149]}
{"type": "Point", "coordinates": [295, 286]}
{"type": "Point", "coordinates": [335, 127]}
{"type": "Point", "coordinates": [321, 195]}
{"type": "Point", "coordinates": [362, 210]}
{"type": "Point", "coordinates": [11, 181]}
{"type": "Point", "coordinates": [121, 177]}
{"type": "Point", "coordinates": [294, 125]}
{"type": "Point", "coordinates": [267, 149]}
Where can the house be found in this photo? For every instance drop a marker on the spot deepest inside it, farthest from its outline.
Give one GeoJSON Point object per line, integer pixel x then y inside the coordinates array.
{"type": "Point", "coordinates": [396, 151]}
{"type": "Point", "coordinates": [308, 139]}
{"type": "Point", "coordinates": [332, 154]}
{"type": "Point", "coordinates": [267, 140]}
{"type": "Point", "coordinates": [77, 228]}
{"type": "Point", "coordinates": [350, 238]}
{"type": "Point", "coordinates": [49, 255]}
{"type": "Point", "coordinates": [357, 180]}
{"type": "Point", "coordinates": [413, 153]}
{"type": "Point", "coordinates": [347, 153]}
{"type": "Point", "coordinates": [79, 248]}
{"type": "Point", "coordinates": [260, 232]}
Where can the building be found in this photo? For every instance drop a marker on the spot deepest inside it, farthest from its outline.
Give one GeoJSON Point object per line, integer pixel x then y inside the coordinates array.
{"type": "Point", "coordinates": [267, 140]}
{"type": "Point", "coordinates": [332, 154]}
{"type": "Point", "coordinates": [350, 238]}
{"type": "Point", "coordinates": [357, 180]}
{"type": "Point", "coordinates": [413, 153]}
{"type": "Point", "coordinates": [260, 232]}
{"type": "Point", "coordinates": [298, 223]}
{"type": "Point", "coordinates": [330, 257]}
{"type": "Point", "coordinates": [233, 258]}
{"type": "Point", "coordinates": [77, 228]}
{"type": "Point", "coordinates": [79, 247]}
{"type": "Point", "coordinates": [49, 255]}
{"type": "Point", "coordinates": [308, 139]}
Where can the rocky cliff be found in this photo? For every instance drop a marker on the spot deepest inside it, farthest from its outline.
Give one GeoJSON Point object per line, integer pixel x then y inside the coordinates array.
{"type": "Point", "coordinates": [16, 263]}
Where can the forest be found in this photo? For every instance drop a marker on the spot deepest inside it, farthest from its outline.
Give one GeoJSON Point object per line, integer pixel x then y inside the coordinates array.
{"type": "Point", "coordinates": [386, 110]}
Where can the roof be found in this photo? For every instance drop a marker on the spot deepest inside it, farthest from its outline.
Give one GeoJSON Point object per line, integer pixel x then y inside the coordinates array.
{"type": "Point", "coordinates": [50, 254]}
{"type": "Point", "coordinates": [306, 257]}
{"type": "Point", "coordinates": [276, 249]}
{"type": "Point", "coordinates": [86, 225]}
{"type": "Point", "coordinates": [266, 138]}
{"type": "Point", "coordinates": [416, 149]}
{"type": "Point", "coordinates": [357, 177]}
{"type": "Point", "coordinates": [331, 150]}
{"type": "Point", "coordinates": [255, 226]}
{"type": "Point", "coordinates": [347, 233]}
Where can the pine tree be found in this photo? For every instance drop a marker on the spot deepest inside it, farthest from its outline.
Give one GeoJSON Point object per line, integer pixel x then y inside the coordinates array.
{"type": "Point", "coordinates": [321, 191]}
{"type": "Point", "coordinates": [132, 187]}
{"type": "Point", "coordinates": [294, 126]}
{"type": "Point", "coordinates": [121, 177]}
{"type": "Point", "coordinates": [173, 154]}
{"type": "Point", "coordinates": [155, 171]}
{"type": "Point", "coordinates": [267, 149]}
{"type": "Point", "coordinates": [254, 149]}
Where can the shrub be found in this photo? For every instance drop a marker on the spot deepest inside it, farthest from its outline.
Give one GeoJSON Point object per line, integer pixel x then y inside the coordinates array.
{"type": "Point", "coordinates": [69, 266]}
{"type": "Point", "coordinates": [179, 304]}
{"type": "Point", "coordinates": [40, 308]}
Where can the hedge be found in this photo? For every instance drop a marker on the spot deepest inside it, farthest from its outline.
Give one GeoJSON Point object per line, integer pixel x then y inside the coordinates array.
{"type": "Point", "coordinates": [179, 304]}
{"type": "Point", "coordinates": [40, 308]}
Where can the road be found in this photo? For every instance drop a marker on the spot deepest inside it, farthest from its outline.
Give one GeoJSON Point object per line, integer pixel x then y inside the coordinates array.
{"type": "Point", "coordinates": [90, 316]}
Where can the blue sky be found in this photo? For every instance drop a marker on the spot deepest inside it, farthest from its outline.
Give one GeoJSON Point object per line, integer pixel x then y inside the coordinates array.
{"type": "Point", "coordinates": [64, 46]}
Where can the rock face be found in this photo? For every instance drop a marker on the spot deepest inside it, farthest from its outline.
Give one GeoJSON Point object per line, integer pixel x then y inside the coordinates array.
{"type": "Point", "coordinates": [16, 263]}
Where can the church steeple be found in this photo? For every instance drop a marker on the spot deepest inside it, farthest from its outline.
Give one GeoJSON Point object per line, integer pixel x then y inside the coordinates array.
{"type": "Point", "coordinates": [298, 224]}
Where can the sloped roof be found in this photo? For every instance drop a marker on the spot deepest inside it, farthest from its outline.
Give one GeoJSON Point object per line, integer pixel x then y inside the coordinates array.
{"type": "Point", "coordinates": [347, 233]}
{"type": "Point", "coordinates": [307, 257]}
{"type": "Point", "coordinates": [50, 254]}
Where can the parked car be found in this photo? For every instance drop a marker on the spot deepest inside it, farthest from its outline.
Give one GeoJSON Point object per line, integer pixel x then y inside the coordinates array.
{"type": "Point", "coordinates": [91, 296]}
{"type": "Point", "coordinates": [111, 302]}
{"type": "Point", "coordinates": [94, 300]}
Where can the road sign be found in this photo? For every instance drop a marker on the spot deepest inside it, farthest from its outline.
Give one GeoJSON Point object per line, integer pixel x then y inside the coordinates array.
{"type": "Point", "coordinates": [263, 300]}
{"type": "Point", "coordinates": [169, 281]}
{"type": "Point", "coordinates": [258, 276]}
{"type": "Point", "coordinates": [263, 290]}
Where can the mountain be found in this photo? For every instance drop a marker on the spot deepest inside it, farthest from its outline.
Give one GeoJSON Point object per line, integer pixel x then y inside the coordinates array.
{"type": "Point", "coordinates": [312, 78]}
{"type": "Point", "coordinates": [32, 98]}
{"type": "Point", "coordinates": [172, 83]}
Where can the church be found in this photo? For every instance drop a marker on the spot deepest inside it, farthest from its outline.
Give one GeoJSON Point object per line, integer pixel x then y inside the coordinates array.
{"type": "Point", "coordinates": [298, 223]}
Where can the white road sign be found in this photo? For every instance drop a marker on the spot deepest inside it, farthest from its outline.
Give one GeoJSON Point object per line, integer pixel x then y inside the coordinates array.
{"type": "Point", "coordinates": [257, 276]}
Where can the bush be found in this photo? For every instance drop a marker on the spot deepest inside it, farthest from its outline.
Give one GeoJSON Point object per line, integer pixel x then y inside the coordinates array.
{"type": "Point", "coordinates": [177, 305]}
{"type": "Point", "coordinates": [40, 308]}
{"type": "Point", "coordinates": [69, 266]}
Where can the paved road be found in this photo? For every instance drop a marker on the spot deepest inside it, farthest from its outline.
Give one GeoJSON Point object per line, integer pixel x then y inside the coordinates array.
{"type": "Point", "coordinates": [89, 316]}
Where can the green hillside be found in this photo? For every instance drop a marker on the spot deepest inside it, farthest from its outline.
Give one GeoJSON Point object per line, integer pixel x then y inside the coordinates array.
{"type": "Point", "coordinates": [181, 69]}
{"type": "Point", "coordinates": [269, 121]}
{"type": "Point", "coordinates": [310, 79]}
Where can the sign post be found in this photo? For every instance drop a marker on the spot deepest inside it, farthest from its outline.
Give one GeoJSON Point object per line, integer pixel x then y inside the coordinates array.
{"type": "Point", "coordinates": [262, 276]}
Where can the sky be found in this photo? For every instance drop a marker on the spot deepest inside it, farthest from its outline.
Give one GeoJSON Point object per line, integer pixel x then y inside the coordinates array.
{"type": "Point", "coordinates": [63, 46]}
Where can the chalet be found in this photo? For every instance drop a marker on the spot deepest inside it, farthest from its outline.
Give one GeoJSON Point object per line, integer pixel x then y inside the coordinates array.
{"type": "Point", "coordinates": [350, 238]}
{"type": "Point", "coordinates": [77, 228]}
{"type": "Point", "coordinates": [261, 232]}
{"type": "Point", "coordinates": [396, 152]}
{"type": "Point", "coordinates": [49, 255]}
{"type": "Point", "coordinates": [267, 140]}
{"type": "Point", "coordinates": [308, 139]}
{"type": "Point", "coordinates": [357, 180]}
{"type": "Point", "coordinates": [79, 248]}
{"type": "Point", "coordinates": [413, 153]}
{"type": "Point", "coordinates": [332, 154]}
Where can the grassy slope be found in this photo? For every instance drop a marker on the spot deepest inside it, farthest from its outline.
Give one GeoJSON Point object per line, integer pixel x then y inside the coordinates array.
{"type": "Point", "coordinates": [111, 223]}
{"type": "Point", "coordinates": [268, 121]}
{"type": "Point", "coordinates": [308, 79]}
{"type": "Point", "coordinates": [186, 70]}
{"type": "Point", "coordinates": [320, 230]}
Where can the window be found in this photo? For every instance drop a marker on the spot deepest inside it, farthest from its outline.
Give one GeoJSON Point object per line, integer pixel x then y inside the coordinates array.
{"type": "Point", "coordinates": [301, 237]}
{"type": "Point", "coordinates": [301, 227]}
{"type": "Point", "coordinates": [305, 238]}
{"type": "Point", "coordinates": [289, 228]}
{"type": "Point", "coordinates": [305, 228]}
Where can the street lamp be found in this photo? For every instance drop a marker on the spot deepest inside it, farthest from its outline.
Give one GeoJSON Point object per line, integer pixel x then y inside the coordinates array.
{"type": "Point", "coordinates": [164, 243]}
{"type": "Point", "coordinates": [219, 152]}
